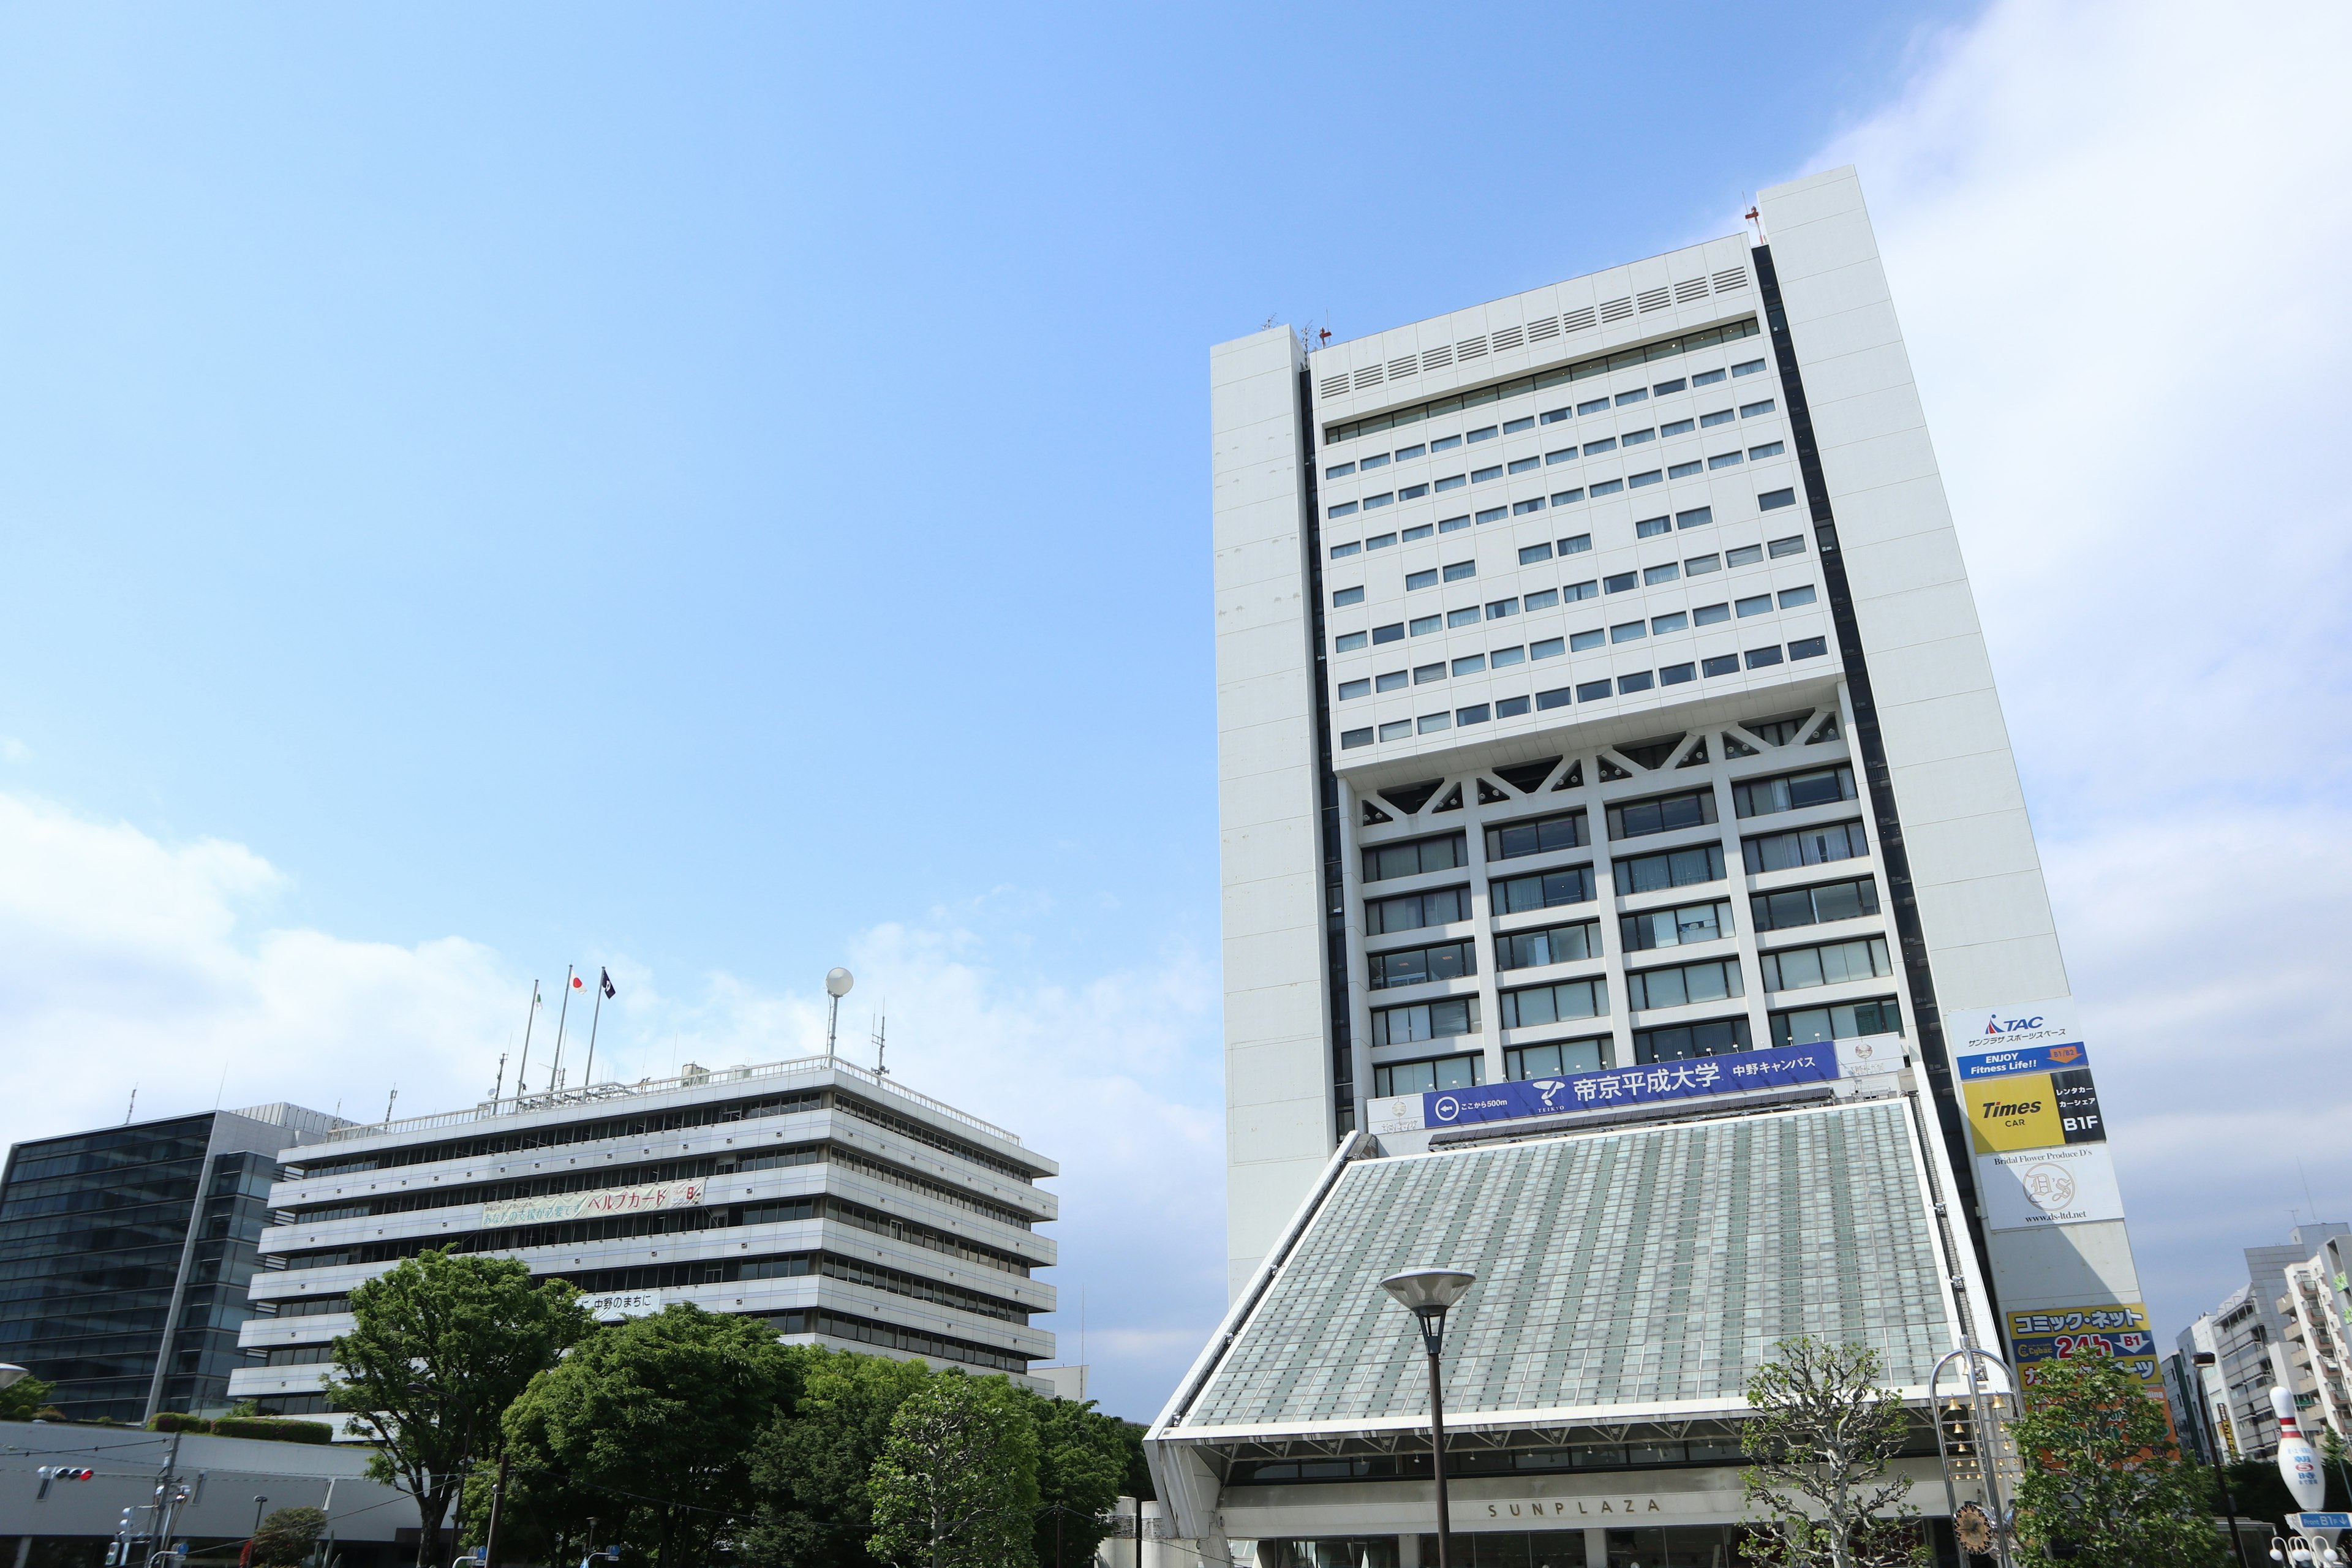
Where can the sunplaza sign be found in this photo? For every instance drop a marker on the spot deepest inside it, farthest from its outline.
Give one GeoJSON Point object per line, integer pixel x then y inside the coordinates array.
{"type": "Point", "coordinates": [1612, 1088]}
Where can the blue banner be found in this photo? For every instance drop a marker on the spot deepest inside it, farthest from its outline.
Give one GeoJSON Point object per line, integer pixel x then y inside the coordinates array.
{"type": "Point", "coordinates": [2025, 1059]}
{"type": "Point", "coordinates": [1617, 1088]}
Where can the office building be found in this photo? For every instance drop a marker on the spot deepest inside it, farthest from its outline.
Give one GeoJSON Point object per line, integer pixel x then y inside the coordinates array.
{"type": "Point", "coordinates": [2283, 1326]}
{"type": "Point", "coordinates": [832, 1201]}
{"type": "Point", "coordinates": [128, 1250]}
{"type": "Point", "coordinates": [1609, 751]}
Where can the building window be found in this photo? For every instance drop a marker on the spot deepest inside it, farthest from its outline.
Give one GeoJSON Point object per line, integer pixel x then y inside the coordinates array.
{"type": "Point", "coordinates": [1343, 597]}
{"type": "Point", "coordinates": [1791, 597]}
{"type": "Point", "coordinates": [1425, 673]}
{"type": "Point", "coordinates": [1349, 739]}
{"type": "Point", "coordinates": [1758, 657]}
{"type": "Point", "coordinates": [1442, 853]}
{"type": "Point", "coordinates": [1773, 499]}
{"type": "Point", "coordinates": [1651, 527]}
{"type": "Point", "coordinates": [1466, 617]}
{"type": "Point", "coordinates": [1522, 1062]}
{"type": "Point", "coordinates": [1676, 927]}
{"type": "Point", "coordinates": [1673, 868]}
{"type": "Point", "coordinates": [1744, 555]}
{"type": "Point", "coordinates": [1723, 664]}
{"type": "Point", "coordinates": [1441, 1020]}
{"type": "Point", "coordinates": [1542, 891]}
{"type": "Point", "coordinates": [1415, 910]}
{"type": "Point", "coordinates": [1428, 579]}
{"type": "Point", "coordinates": [1749, 410]}
{"type": "Point", "coordinates": [1396, 729]}
{"type": "Point", "coordinates": [1511, 707]}
{"type": "Point", "coordinates": [1832, 963]}
{"type": "Point", "coordinates": [1806, 847]}
{"type": "Point", "coordinates": [1845, 1021]}
{"type": "Point", "coordinates": [1418, 966]}
{"type": "Point", "coordinates": [1348, 642]}
{"type": "Point", "coordinates": [1531, 553]}
{"type": "Point", "coordinates": [1792, 545]}
{"type": "Point", "coordinates": [1792, 792]}
{"type": "Point", "coordinates": [1351, 689]}
{"type": "Point", "coordinates": [1392, 632]}
{"type": "Point", "coordinates": [1816, 905]}
{"type": "Point", "coordinates": [1429, 1076]}
{"type": "Point", "coordinates": [1809, 648]}
{"type": "Point", "coordinates": [1700, 565]}
{"type": "Point", "coordinates": [1549, 945]}
{"type": "Point", "coordinates": [1662, 813]}
{"type": "Point", "coordinates": [1661, 624]}
{"type": "Point", "coordinates": [1510, 840]}
{"type": "Point", "coordinates": [1653, 575]}
{"type": "Point", "coordinates": [1540, 1005]}
{"type": "Point", "coordinates": [1716, 980]}
{"type": "Point", "coordinates": [1683, 1041]}
{"type": "Point", "coordinates": [1430, 723]}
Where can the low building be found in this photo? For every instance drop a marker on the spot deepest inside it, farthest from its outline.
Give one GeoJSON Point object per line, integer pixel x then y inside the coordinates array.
{"type": "Point", "coordinates": [228, 1483]}
{"type": "Point", "coordinates": [827, 1200]}
{"type": "Point", "coordinates": [130, 1251]}
{"type": "Point", "coordinates": [1635, 1264]}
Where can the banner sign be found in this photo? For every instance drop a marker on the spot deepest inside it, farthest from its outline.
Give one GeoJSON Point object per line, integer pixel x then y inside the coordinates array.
{"type": "Point", "coordinates": [613, 1306]}
{"type": "Point", "coordinates": [1608, 1090]}
{"type": "Point", "coordinates": [2115, 1330]}
{"type": "Point", "coordinates": [2020, 1059]}
{"type": "Point", "coordinates": [1972, 1031]}
{"type": "Point", "coordinates": [597, 1203]}
{"type": "Point", "coordinates": [2029, 1188]}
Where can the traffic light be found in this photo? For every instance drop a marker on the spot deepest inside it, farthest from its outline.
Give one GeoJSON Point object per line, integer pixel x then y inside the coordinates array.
{"type": "Point", "coordinates": [60, 1473]}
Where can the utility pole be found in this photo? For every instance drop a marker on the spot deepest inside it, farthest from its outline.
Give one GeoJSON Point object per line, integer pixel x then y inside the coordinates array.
{"type": "Point", "coordinates": [498, 1506]}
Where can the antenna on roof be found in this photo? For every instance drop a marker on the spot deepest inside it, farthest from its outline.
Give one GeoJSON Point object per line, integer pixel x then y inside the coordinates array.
{"type": "Point", "coordinates": [881, 1029]}
{"type": "Point", "coordinates": [1758, 221]}
{"type": "Point", "coordinates": [388, 1100]}
{"type": "Point", "coordinates": [131, 1107]}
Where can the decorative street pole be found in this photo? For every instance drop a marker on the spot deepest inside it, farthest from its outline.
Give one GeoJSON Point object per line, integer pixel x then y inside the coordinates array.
{"type": "Point", "coordinates": [1427, 1294]}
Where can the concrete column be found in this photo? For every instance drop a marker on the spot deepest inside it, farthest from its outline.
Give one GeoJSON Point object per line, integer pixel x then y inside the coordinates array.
{"type": "Point", "coordinates": [1596, 1549]}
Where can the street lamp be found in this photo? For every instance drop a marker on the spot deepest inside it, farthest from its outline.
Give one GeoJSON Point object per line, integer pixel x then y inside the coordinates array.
{"type": "Point", "coordinates": [11, 1373]}
{"type": "Point", "coordinates": [2202, 1359]}
{"type": "Point", "coordinates": [1427, 1293]}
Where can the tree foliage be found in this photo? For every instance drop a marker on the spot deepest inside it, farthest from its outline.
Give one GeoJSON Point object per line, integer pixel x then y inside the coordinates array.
{"type": "Point", "coordinates": [1082, 1459]}
{"type": "Point", "coordinates": [286, 1536]}
{"type": "Point", "coordinates": [656, 1417]}
{"type": "Point", "coordinates": [956, 1486]}
{"type": "Point", "coordinates": [26, 1398]}
{"type": "Point", "coordinates": [2105, 1487]}
{"type": "Point", "coordinates": [1820, 1448]}
{"type": "Point", "coordinates": [809, 1473]}
{"type": "Point", "coordinates": [441, 1346]}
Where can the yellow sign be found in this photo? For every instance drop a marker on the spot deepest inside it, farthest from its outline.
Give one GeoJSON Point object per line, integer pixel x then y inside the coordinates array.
{"type": "Point", "coordinates": [2016, 1112]}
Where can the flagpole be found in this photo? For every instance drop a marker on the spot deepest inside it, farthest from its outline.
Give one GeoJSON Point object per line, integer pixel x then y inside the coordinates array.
{"type": "Point", "coordinates": [521, 1083]}
{"type": "Point", "coordinates": [588, 1073]}
{"type": "Point", "coordinates": [562, 1013]}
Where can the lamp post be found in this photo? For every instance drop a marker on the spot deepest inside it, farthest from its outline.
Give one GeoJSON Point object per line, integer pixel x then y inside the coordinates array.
{"type": "Point", "coordinates": [1427, 1294]}
{"type": "Point", "coordinates": [2202, 1359]}
{"type": "Point", "coordinates": [11, 1374]}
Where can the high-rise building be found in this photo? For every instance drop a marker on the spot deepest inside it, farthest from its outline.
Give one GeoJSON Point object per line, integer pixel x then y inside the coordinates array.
{"type": "Point", "coordinates": [128, 1250]}
{"type": "Point", "coordinates": [1599, 686]}
{"type": "Point", "coordinates": [834, 1203]}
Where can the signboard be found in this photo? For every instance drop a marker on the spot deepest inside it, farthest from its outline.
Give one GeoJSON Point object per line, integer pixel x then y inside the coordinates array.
{"type": "Point", "coordinates": [615, 1305]}
{"type": "Point", "coordinates": [552, 1207]}
{"type": "Point", "coordinates": [2020, 1058]}
{"type": "Point", "coordinates": [1611, 1089]}
{"type": "Point", "coordinates": [2304, 1523]}
{"type": "Point", "coordinates": [1970, 1031]}
{"type": "Point", "coordinates": [2033, 1110]}
{"type": "Point", "coordinates": [2026, 1189]}
{"type": "Point", "coordinates": [2114, 1329]}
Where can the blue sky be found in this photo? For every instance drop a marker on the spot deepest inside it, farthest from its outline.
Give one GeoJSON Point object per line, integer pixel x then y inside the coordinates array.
{"type": "Point", "coordinates": [720, 492]}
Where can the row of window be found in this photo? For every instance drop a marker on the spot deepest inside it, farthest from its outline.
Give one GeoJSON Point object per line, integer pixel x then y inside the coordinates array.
{"type": "Point", "coordinates": [1646, 528]}
{"type": "Point", "coordinates": [1591, 448]}
{"type": "Point", "coordinates": [1587, 691]}
{"type": "Point", "coordinates": [1669, 1043]}
{"type": "Point", "coordinates": [1822, 904]}
{"type": "Point", "coordinates": [1581, 370]}
{"type": "Point", "coordinates": [1591, 588]}
{"type": "Point", "coordinates": [1578, 642]}
{"type": "Point", "coordinates": [1596, 489]}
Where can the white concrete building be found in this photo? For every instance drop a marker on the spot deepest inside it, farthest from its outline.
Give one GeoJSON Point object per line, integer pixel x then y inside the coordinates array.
{"type": "Point", "coordinates": [839, 1206]}
{"type": "Point", "coordinates": [1604, 718]}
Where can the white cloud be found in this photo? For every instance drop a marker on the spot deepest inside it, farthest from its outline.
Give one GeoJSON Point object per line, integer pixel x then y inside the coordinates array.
{"type": "Point", "coordinates": [2115, 236]}
{"type": "Point", "coordinates": [136, 961]}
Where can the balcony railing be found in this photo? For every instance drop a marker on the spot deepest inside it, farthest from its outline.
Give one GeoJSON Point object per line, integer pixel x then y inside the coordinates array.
{"type": "Point", "coordinates": [621, 1093]}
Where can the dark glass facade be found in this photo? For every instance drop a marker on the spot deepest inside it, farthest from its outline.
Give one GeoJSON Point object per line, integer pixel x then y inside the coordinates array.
{"type": "Point", "coordinates": [124, 1256]}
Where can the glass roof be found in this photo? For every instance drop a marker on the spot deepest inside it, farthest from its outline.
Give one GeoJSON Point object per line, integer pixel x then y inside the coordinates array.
{"type": "Point", "coordinates": [1643, 1267]}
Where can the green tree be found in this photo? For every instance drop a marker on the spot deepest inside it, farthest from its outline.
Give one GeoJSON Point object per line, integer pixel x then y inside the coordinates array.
{"type": "Point", "coordinates": [2104, 1486]}
{"type": "Point", "coordinates": [25, 1398]}
{"type": "Point", "coordinates": [660, 1414]}
{"type": "Point", "coordinates": [286, 1536]}
{"type": "Point", "coordinates": [1081, 1467]}
{"type": "Point", "coordinates": [1819, 1448]}
{"type": "Point", "coordinates": [441, 1346]}
{"type": "Point", "coordinates": [956, 1486]}
{"type": "Point", "coordinates": [810, 1471]}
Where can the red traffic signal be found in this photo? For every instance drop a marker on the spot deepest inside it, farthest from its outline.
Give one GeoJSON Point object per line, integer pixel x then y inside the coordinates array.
{"type": "Point", "coordinates": [60, 1473]}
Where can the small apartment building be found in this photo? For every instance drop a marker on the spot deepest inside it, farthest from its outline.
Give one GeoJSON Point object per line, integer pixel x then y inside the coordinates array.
{"type": "Point", "coordinates": [2313, 1308]}
{"type": "Point", "coordinates": [832, 1202]}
